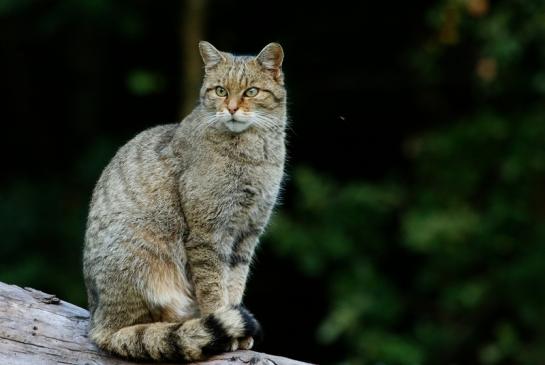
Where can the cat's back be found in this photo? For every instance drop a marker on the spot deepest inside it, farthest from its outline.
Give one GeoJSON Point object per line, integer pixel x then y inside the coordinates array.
{"type": "Point", "coordinates": [140, 178]}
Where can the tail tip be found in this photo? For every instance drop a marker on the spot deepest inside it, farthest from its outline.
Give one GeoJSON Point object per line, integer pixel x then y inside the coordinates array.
{"type": "Point", "coordinates": [252, 328]}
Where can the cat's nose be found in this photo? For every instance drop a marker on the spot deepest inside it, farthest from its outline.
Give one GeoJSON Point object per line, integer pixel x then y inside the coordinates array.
{"type": "Point", "coordinates": [232, 106]}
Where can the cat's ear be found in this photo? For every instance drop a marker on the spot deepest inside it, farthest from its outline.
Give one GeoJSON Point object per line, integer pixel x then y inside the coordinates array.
{"type": "Point", "coordinates": [271, 57]}
{"type": "Point", "coordinates": [210, 55]}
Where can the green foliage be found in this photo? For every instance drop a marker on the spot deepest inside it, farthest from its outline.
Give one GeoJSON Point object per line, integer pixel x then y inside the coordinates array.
{"type": "Point", "coordinates": [447, 265]}
{"type": "Point", "coordinates": [142, 82]}
{"type": "Point", "coordinates": [465, 237]}
{"type": "Point", "coordinates": [337, 233]}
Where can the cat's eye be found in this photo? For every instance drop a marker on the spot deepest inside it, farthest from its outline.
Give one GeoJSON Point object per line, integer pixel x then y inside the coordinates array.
{"type": "Point", "coordinates": [251, 92]}
{"type": "Point", "coordinates": [220, 91]}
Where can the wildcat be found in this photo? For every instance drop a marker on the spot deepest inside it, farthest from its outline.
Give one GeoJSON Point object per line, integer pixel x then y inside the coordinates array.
{"type": "Point", "coordinates": [175, 217]}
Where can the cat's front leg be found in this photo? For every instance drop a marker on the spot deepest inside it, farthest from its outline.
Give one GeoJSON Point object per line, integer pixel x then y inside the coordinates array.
{"type": "Point", "coordinates": [239, 267]}
{"type": "Point", "coordinates": [209, 272]}
{"type": "Point", "coordinates": [238, 275]}
{"type": "Point", "coordinates": [243, 249]}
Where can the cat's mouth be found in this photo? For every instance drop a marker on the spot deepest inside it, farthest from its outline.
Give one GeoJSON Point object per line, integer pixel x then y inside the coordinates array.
{"type": "Point", "coordinates": [237, 126]}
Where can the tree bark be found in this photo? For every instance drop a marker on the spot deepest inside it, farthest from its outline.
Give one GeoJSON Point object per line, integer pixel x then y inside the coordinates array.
{"type": "Point", "coordinates": [38, 328]}
{"type": "Point", "coordinates": [191, 32]}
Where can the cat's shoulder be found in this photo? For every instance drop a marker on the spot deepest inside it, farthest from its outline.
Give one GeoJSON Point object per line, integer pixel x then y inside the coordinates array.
{"type": "Point", "coordinates": [153, 138]}
{"type": "Point", "coordinates": [147, 144]}
{"type": "Point", "coordinates": [160, 131]}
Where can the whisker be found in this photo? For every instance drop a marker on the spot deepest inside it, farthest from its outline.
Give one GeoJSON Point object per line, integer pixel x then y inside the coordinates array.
{"type": "Point", "coordinates": [276, 119]}
{"type": "Point", "coordinates": [266, 123]}
{"type": "Point", "coordinates": [205, 122]}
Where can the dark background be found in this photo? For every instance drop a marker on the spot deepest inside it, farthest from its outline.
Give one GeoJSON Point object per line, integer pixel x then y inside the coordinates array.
{"type": "Point", "coordinates": [411, 229]}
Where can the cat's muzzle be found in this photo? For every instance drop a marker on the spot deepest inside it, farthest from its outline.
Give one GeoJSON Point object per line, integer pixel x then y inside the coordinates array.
{"type": "Point", "coordinates": [237, 126]}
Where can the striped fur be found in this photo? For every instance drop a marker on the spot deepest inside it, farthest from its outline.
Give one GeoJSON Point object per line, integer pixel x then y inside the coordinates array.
{"type": "Point", "coordinates": [176, 215]}
{"type": "Point", "coordinates": [187, 341]}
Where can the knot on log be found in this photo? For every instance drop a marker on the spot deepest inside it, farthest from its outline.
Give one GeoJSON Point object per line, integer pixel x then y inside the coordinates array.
{"type": "Point", "coordinates": [43, 297]}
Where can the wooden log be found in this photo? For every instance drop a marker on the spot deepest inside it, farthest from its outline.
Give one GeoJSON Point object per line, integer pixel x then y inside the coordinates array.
{"type": "Point", "coordinates": [37, 328]}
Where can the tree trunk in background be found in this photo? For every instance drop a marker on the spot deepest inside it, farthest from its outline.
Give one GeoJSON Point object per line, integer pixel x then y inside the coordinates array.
{"type": "Point", "coordinates": [38, 328]}
{"type": "Point", "coordinates": [192, 31]}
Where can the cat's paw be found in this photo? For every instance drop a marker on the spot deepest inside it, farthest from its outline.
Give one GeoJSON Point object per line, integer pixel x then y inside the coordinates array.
{"type": "Point", "coordinates": [246, 343]}
{"type": "Point", "coordinates": [229, 330]}
{"type": "Point", "coordinates": [234, 345]}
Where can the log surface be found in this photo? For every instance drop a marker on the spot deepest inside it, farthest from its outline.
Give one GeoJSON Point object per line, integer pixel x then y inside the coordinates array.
{"type": "Point", "coordinates": [38, 328]}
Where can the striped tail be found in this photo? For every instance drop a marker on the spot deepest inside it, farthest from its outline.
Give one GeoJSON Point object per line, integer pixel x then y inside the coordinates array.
{"type": "Point", "coordinates": [195, 339]}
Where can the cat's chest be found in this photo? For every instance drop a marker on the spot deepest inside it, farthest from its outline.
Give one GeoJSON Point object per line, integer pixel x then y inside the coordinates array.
{"type": "Point", "coordinates": [246, 149]}
{"type": "Point", "coordinates": [235, 175]}
{"type": "Point", "coordinates": [248, 162]}
{"type": "Point", "coordinates": [239, 183]}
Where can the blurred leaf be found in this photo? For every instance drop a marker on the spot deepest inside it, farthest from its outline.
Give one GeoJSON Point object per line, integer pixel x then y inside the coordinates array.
{"type": "Point", "coordinates": [143, 82]}
{"type": "Point", "coordinates": [428, 231]}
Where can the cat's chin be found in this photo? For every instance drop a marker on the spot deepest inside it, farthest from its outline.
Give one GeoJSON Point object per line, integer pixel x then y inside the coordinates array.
{"type": "Point", "coordinates": [236, 126]}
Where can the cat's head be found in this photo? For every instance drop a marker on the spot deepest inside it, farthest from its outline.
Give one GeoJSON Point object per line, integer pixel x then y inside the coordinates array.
{"type": "Point", "coordinates": [243, 91]}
